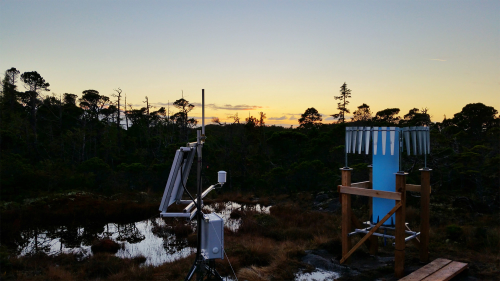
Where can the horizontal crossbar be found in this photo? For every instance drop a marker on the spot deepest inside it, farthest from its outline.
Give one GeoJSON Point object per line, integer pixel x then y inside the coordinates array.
{"type": "Point", "coordinates": [415, 188]}
{"type": "Point", "coordinates": [370, 192]}
{"type": "Point", "coordinates": [363, 184]}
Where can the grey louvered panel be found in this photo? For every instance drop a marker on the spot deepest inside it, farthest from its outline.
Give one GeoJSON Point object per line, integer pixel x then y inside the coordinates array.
{"type": "Point", "coordinates": [420, 141]}
{"type": "Point", "coordinates": [354, 138]}
{"type": "Point", "coordinates": [367, 140]}
{"type": "Point", "coordinates": [383, 131]}
{"type": "Point", "coordinates": [414, 139]}
{"type": "Point", "coordinates": [392, 135]}
{"type": "Point", "coordinates": [360, 139]}
{"type": "Point", "coordinates": [348, 139]}
{"type": "Point", "coordinates": [375, 140]}
{"type": "Point", "coordinates": [428, 134]}
{"type": "Point", "coordinates": [424, 139]}
{"type": "Point", "coordinates": [406, 136]}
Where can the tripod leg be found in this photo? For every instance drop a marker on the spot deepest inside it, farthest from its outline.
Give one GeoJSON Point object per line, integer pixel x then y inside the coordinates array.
{"type": "Point", "coordinates": [191, 271]}
{"type": "Point", "coordinates": [212, 273]}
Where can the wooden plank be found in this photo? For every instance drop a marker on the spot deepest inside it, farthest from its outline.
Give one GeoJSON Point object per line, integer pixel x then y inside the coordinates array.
{"type": "Point", "coordinates": [346, 212]}
{"type": "Point", "coordinates": [415, 188]}
{"type": "Point", "coordinates": [425, 179]}
{"type": "Point", "coordinates": [346, 223]}
{"type": "Point", "coordinates": [370, 179]}
{"type": "Point", "coordinates": [399, 253]}
{"type": "Point", "coordinates": [370, 192]}
{"type": "Point", "coordinates": [346, 256]}
{"type": "Point", "coordinates": [363, 184]}
{"type": "Point", "coordinates": [426, 270]}
{"type": "Point", "coordinates": [346, 176]}
{"type": "Point", "coordinates": [447, 272]}
{"type": "Point", "coordinates": [373, 238]}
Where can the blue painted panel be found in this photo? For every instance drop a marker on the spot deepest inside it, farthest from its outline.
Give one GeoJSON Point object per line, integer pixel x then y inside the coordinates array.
{"type": "Point", "coordinates": [384, 178]}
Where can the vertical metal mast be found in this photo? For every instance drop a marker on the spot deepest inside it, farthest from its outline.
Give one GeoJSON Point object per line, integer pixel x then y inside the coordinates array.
{"type": "Point", "coordinates": [203, 113]}
{"type": "Point", "coordinates": [199, 258]}
{"type": "Point", "coordinates": [199, 261]}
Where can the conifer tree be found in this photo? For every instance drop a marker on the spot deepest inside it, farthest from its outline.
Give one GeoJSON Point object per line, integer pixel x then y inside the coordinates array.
{"type": "Point", "coordinates": [345, 93]}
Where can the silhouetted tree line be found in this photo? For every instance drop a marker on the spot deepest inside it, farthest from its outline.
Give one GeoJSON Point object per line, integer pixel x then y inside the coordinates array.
{"type": "Point", "coordinates": [55, 144]}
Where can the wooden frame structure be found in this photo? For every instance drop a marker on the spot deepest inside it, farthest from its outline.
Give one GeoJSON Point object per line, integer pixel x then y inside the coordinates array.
{"type": "Point", "coordinates": [371, 241]}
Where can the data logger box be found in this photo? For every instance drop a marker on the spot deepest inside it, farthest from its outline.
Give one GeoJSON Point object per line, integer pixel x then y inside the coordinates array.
{"type": "Point", "coordinates": [212, 237]}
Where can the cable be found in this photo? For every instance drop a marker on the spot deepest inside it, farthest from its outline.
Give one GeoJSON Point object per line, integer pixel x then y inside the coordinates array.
{"type": "Point", "coordinates": [185, 189]}
{"type": "Point", "coordinates": [230, 265]}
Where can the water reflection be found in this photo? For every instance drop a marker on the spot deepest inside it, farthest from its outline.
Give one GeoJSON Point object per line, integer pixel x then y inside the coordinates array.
{"type": "Point", "coordinates": [152, 238]}
{"type": "Point", "coordinates": [224, 210]}
{"type": "Point", "coordinates": [318, 274]}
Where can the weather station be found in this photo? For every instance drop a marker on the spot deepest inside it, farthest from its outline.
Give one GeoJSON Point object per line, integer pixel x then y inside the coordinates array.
{"type": "Point", "coordinates": [210, 227]}
{"type": "Point", "coordinates": [386, 190]}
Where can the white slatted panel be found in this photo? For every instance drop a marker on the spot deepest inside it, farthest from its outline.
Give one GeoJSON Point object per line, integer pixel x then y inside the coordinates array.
{"type": "Point", "coordinates": [392, 134]}
{"type": "Point", "coordinates": [383, 131]}
{"type": "Point", "coordinates": [367, 140]}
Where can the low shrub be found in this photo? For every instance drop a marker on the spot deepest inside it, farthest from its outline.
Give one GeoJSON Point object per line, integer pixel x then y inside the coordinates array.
{"type": "Point", "coordinates": [454, 232]}
{"type": "Point", "coordinates": [105, 246]}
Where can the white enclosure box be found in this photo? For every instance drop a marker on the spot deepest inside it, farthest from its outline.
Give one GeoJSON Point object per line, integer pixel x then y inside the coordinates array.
{"type": "Point", "coordinates": [212, 237]}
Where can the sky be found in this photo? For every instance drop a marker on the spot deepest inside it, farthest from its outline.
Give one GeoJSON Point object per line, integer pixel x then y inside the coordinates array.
{"type": "Point", "coordinates": [278, 57]}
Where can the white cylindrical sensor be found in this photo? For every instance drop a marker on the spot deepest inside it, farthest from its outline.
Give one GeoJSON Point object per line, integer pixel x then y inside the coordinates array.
{"type": "Point", "coordinates": [222, 177]}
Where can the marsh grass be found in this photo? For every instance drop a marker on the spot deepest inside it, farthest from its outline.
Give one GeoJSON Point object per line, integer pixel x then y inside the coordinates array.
{"type": "Point", "coordinates": [270, 246]}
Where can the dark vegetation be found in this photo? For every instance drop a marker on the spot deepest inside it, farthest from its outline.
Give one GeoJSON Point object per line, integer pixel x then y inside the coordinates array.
{"type": "Point", "coordinates": [54, 148]}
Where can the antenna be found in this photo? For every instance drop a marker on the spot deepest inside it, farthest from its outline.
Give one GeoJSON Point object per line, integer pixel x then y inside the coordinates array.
{"type": "Point", "coordinates": [210, 227]}
{"type": "Point", "coordinates": [203, 112]}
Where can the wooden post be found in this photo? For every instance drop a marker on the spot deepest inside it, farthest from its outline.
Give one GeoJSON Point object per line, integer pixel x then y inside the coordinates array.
{"type": "Point", "coordinates": [346, 212]}
{"type": "Point", "coordinates": [373, 238]}
{"type": "Point", "coordinates": [370, 179]}
{"type": "Point", "coordinates": [425, 181]}
{"type": "Point", "coordinates": [399, 257]}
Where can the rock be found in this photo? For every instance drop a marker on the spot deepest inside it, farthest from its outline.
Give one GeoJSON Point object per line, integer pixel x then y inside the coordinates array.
{"type": "Point", "coordinates": [385, 259]}
{"type": "Point", "coordinates": [334, 205]}
{"type": "Point", "coordinates": [313, 258]}
{"type": "Point", "coordinates": [320, 197]}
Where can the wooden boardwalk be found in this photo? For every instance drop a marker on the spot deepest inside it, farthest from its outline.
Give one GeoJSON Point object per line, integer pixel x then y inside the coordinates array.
{"type": "Point", "coordinates": [439, 269]}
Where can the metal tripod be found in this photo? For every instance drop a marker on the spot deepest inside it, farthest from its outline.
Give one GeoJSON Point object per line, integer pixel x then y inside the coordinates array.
{"type": "Point", "coordinates": [202, 267]}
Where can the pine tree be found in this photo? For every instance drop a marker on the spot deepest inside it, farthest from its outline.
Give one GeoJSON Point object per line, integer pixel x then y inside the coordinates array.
{"type": "Point", "coordinates": [345, 93]}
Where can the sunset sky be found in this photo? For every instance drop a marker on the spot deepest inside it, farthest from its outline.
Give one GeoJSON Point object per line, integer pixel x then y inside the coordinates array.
{"type": "Point", "coordinates": [279, 57]}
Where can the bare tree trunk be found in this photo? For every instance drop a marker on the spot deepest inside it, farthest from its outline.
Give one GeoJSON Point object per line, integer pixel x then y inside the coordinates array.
{"type": "Point", "coordinates": [147, 108]}
{"type": "Point", "coordinates": [118, 95]}
{"type": "Point", "coordinates": [33, 95]}
{"type": "Point", "coordinates": [125, 111]}
{"type": "Point", "coordinates": [118, 126]}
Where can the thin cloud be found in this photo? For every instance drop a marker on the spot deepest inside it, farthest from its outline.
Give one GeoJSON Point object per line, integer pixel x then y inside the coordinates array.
{"type": "Point", "coordinates": [235, 107]}
{"type": "Point", "coordinates": [199, 117]}
{"type": "Point", "coordinates": [137, 104]}
{"type": "Point", "coordinates": [292, 117]}
{"type": "Point", "coordinates": [217, 107]}
{"type": "Point", "coordinates": [163, 103]}
{"type": "Point", "coordinates": [437, 59]}
{"type": "Point", "coordinates": [277, 118]}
